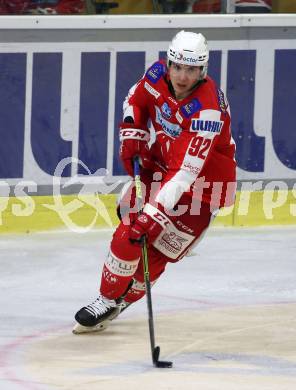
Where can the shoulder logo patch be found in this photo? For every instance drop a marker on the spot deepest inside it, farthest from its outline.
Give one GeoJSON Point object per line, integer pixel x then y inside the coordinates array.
{"type": "Point", "coordinates": [155, 72]}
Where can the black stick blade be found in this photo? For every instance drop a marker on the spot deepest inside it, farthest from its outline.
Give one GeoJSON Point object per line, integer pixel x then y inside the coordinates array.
{"type": "Point", "coordinates": [163, 364]}
{"type": "Point", "coordinates": [160, 363]}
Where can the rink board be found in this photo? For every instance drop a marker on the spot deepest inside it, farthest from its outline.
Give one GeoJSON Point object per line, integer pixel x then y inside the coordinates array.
{"type": "Point", "coordinates": [83, 213]}
{"type": "Point", "coordinates": [61, 102]}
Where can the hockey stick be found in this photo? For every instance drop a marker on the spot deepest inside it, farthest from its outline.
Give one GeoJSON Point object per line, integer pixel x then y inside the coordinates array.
{"type": "Point", "coordinates": [155, 350]}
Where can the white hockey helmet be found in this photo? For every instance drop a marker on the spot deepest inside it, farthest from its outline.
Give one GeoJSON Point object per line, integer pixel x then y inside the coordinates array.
{"type": "Point", "coordinates": [189, 48]}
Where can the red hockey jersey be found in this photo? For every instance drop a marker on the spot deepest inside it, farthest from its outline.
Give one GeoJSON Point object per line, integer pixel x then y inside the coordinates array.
{"type": "Point", "coordinates": [193, 142]}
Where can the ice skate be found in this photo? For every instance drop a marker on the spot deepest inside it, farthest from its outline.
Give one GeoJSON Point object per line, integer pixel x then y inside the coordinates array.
{"type": "Point", "coordinates": [97, 316]}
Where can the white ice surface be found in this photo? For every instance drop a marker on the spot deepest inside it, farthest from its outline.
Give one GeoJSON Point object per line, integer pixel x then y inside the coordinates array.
{"type": "Point", "coordinates": [225, 316]}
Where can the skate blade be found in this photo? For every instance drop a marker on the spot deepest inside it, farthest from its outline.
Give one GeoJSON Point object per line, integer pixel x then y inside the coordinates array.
{"type": "Point", "coordinates": [79, 329]}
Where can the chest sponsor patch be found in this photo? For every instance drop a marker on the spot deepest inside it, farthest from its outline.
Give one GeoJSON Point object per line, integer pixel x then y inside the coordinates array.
{"type": "Point", "coordinates": [190, 108]}
{"type": "Point", "coordinates": [206, 125]}
{"type": "Point", "coordinates": [171, 129]}
{"type": "Point", "coordinates": [155, 72]}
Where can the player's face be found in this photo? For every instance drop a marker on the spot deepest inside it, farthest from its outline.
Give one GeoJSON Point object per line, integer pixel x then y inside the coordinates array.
{"type": "Point", "coordinates": [183, 78]}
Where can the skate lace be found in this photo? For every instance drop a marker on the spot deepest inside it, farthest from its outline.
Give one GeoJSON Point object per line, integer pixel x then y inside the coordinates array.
{"type": "Point", "coordinates": [100, 306]}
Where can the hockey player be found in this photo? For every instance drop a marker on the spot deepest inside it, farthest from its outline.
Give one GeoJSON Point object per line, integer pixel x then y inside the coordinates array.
{"type": "Point", "coordinates": [188, 173]}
